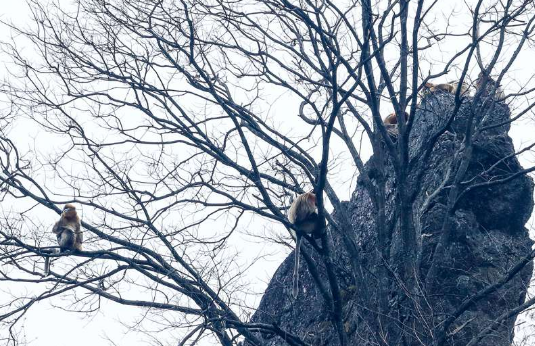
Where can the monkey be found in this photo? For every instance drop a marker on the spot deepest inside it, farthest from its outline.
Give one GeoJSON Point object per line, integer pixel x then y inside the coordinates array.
{"type": "Point", "coordinates": [444, 87]}
{"type": "Point", "coordinates": [303, 215]}
{"type": "Point", "coordinates": [392, 119]}
{"type": "Point", "coordinates": [68, 232]}
{"type": "Point", "coordinates": [450, 87]}
{"type": "Point", "coordinates": [391, 123]}
{"type": "Point", "coordinates": [68, 229]}
{"type": "Point", "coordinates": [465, 88]}
{"type": "Point", "coordinates": [431, 88]}
{"type": "Point", "coordinates": [492, 88]}
{"type": "Point", "coordinates": [303, 212]}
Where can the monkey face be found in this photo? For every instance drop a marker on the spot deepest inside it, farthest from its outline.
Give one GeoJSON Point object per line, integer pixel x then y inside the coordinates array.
{"type": "Point", "coordinates": [69, 211]}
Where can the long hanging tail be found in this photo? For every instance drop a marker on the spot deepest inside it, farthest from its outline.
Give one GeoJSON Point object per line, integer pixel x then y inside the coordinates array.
{"type": "Point", "coordinates": [47, 266]}
{"type": "Point", "coordinates": [47, 262]}
{"type": "Point", "coordinates": [295, 288]}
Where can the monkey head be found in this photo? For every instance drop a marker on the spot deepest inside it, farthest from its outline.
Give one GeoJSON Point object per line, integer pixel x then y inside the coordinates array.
{"type": "Point", "coordinates": [69, 211]}
{"type": "Point", "coordinates": [311, 199]}
{"type": "Point", "coordinates": [391, 119]}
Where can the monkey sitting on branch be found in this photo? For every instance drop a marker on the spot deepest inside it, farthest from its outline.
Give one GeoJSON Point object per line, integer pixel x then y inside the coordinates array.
{"type": "Point", "coordinates": [303, 215]}
{"type": "Point", "coordinates": [68, 232]}
{"type": "Point", "coordinates": [68, 229]}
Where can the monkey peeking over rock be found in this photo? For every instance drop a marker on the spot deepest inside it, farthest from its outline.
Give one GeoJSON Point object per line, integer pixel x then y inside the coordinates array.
{"type": "Point", "coordinates": [391, 123]}
{"type": "Point", "coordinates": [450, 87]}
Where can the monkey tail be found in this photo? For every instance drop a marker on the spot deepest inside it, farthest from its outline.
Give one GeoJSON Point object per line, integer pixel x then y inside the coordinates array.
{"type": "Point", "coordinates": [295, 286]}
{"type": "Point", "coordinates": [47, 266]}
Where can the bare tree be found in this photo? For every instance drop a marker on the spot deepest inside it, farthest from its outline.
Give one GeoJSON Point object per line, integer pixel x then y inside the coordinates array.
{"type": "Point", "coordinates": [169, 143]}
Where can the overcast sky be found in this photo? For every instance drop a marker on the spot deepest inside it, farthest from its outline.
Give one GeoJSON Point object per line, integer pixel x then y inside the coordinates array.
{"type": "Point", "coordinates": [46, 324]}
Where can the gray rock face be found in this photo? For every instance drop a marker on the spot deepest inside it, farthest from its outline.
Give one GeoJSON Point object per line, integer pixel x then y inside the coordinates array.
{"type": "Point", "coordinates": [488, 239]}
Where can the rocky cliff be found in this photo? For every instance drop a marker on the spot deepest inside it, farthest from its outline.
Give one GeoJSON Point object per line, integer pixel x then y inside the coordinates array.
{"type": "Point", "coordinates": [488, 238]}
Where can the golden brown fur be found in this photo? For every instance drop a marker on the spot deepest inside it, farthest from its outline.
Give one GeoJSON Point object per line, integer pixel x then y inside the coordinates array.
{"type": "Point", "coordinates": [68, 232]}
{"type": "Point", "coordinates": [465, 89]}
{"type": "Point", "coordinates": [392, 119]}
{"type": "Point", "coordinates": [303, 215]}
{"type": "Point", "coordinates": [431, 87]}
{"type": "Point", "coordinates": [301, 211]}
{"type": "Point", "coordinates": [68, 229]}
{"type": "Point", "coordinates": [450, 87]}
{"type": "Point", "coordinates": [391, 123]}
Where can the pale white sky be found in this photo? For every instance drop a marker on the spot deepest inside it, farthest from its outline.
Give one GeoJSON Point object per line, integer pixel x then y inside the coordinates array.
{"type": "Point", "coordinates": [46, 324]}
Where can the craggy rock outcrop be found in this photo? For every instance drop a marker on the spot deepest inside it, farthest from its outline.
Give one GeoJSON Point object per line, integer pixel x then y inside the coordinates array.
{"type": "Point", "coordinates": [488, 238]}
